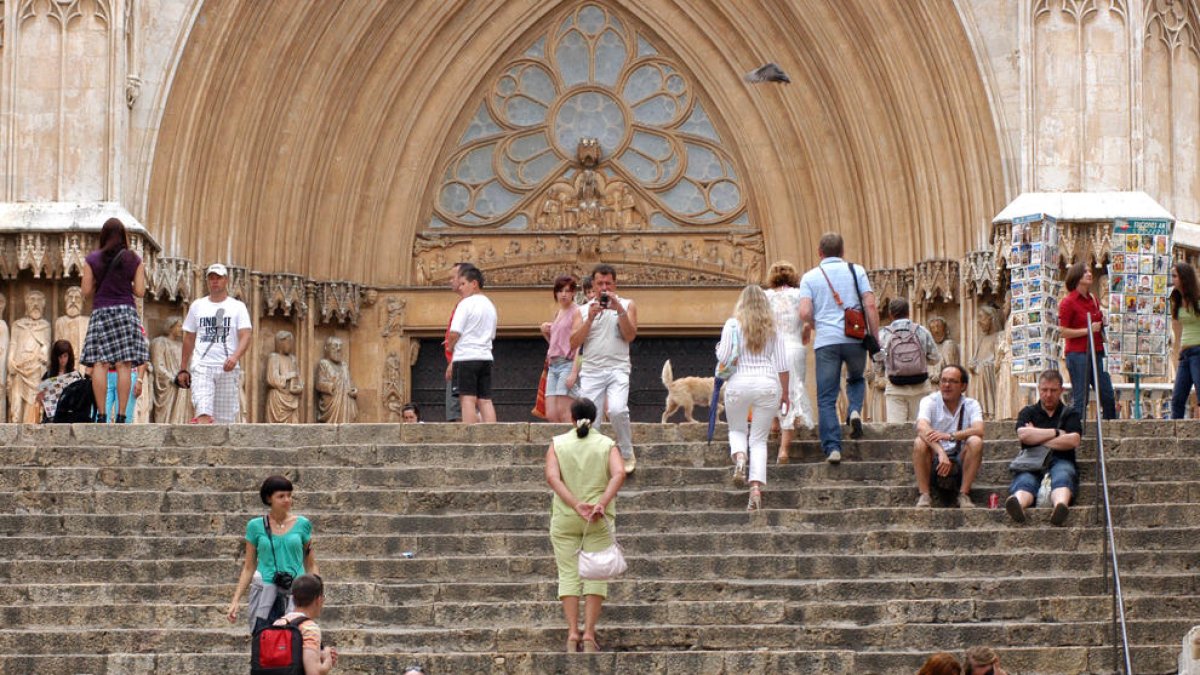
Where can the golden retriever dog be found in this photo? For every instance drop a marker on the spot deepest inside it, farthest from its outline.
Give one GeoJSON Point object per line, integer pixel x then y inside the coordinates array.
{"type": "Point", "coordinates": [687, 393]}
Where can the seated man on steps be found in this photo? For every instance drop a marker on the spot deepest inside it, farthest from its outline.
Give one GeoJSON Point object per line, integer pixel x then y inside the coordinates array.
{"type": "Point", "coordinates": [949, 439]}
{"type": "Point", "coordinates": [1058, 427]}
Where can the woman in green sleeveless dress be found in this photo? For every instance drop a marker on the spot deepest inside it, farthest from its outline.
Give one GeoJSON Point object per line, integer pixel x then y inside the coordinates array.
{"type": "Point", "coordinates": [585, 470]}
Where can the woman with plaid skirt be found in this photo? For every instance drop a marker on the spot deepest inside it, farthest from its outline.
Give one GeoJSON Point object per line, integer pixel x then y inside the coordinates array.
{"type": "Point", "coordinates": [113, 276]}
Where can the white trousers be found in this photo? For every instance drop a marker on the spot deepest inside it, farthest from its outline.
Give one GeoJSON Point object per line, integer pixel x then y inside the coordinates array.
{"type": "Point", "coordinates": [756, 395]}
{"type": "Point", "coordinates": [609, 390]}
{"type": "Point", "coordinates": [800, 407]}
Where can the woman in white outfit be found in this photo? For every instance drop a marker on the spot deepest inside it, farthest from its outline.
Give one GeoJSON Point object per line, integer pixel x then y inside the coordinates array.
{"type": "Point", "coordinates": [758, 387]}
{"type": "Point", "coordinates": [784, 295]}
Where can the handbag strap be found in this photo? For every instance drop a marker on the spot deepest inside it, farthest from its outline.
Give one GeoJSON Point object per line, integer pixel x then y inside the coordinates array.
{"type": "Point", "coordinates": [836, 298]}
{"type": "Point", "coordinates": [612, 529]}
{"type": "Point", "coordinates": [854, 276]}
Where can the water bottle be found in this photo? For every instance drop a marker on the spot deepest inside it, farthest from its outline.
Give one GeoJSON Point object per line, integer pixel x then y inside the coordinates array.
{"type": "Point", "coordinates": [1043, 495]}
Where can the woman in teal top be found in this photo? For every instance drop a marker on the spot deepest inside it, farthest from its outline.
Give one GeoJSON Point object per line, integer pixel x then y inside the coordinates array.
{"type": "Point", "coordinates": [1185, 324]}
{"type": "Point", "coordinates": [585, 470]}
{"type": "Point", "coordinates": [278, 549]}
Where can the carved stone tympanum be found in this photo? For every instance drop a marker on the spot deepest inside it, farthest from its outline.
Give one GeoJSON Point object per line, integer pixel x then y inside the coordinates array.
{"type": "Point", "coordinates": [337, 396]}
{"type": "Point", "coordinates": [284, 385]}
{"type": "Point", "coordinates": [28, 357]}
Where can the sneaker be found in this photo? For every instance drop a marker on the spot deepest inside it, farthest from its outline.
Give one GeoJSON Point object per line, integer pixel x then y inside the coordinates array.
{"type": "Point", "coordinates": [1059, 515]}
{"type": "Point", "coordinates": [739, 470]}
{"type": "Point", "coordinates": [630, 463]}
{"type": "Point", "coordinates": [964, 501]}
{"type": "Point", "coordinates": [1015, 511]}
{"type": "Point", "coordinates": [834, 457]}
{"type": "Point", "coordinates": [855, 425]}
{"type": "Point", "coordinates": [924, 502]}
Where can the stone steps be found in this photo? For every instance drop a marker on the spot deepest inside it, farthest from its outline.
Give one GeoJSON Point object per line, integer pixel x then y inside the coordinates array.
{"type": "Point", "coordinates": [1022, 659]}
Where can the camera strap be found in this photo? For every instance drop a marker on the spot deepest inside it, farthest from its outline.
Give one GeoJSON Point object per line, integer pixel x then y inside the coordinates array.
{"type": "Point", "coordinates": [267, 522]}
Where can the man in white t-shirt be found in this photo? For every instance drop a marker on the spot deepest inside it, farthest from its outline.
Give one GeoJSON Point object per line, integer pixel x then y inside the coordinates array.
{"type": "Point", "coordinates": [216, 333]}
{"type": "Point", "coordinates": [948, 448]}
{"type": "Point", "coordinates": [472, 331]}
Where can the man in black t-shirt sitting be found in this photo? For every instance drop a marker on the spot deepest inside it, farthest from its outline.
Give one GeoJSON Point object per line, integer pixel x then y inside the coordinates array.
{"type": "Point", "coordinates": [1058, 427]}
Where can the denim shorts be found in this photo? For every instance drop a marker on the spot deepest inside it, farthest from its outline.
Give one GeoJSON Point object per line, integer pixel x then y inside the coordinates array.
{"type": "Point", "coordinates": [1063, 474]}
{"type": "Point", "coordinates": [556, 377]}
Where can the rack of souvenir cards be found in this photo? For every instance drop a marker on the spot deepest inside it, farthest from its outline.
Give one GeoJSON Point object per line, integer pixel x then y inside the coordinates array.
{"type": "Point", "coordinates": [1139, 283]}
{"type": "Point", "coordinates": [1033, 291]}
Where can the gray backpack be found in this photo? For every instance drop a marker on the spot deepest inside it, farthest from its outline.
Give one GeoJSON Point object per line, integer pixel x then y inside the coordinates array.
{"type": "Point", "coordinates": [904, 362]}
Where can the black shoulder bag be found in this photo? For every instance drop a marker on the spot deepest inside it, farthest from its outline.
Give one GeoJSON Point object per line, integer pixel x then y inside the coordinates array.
{"type": "Point", "coordinates": [1036, 457]}
{"type": "Point", "coordinates": [870, 341]}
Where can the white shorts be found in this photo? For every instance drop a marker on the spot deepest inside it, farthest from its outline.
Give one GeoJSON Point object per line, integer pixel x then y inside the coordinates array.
{"type": "Point", "coordinates": [217, 393]}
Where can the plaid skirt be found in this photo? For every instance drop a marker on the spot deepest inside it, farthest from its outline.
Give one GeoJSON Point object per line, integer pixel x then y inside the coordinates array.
{"type": "Point", "coordinates": [115, 335]}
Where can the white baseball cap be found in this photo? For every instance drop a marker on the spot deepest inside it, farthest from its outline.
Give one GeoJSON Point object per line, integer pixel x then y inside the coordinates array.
{"type": "Point", "coordinates": [217, 269]}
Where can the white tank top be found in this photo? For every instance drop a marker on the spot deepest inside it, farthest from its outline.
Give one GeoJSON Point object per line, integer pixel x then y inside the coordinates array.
{"type": "Point", "coordinates": [605, 349]}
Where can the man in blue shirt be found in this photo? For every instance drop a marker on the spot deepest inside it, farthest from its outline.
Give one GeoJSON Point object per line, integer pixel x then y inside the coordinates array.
{"type": "Point", "coordinates": [820, 291]}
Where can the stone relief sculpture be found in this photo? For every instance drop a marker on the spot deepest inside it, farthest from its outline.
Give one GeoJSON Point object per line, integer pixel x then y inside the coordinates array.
{"type": "Point", "coordinates": [337, 396]}
{"type": "Point", "coordinates": [72, 327]}
{"type": "Point", "coordinates": [143, 407]}
{"type": "Point", "coordinates": [3, 360]}
{"type": "Point", "coordinates": [284, 385]}
{"type": "Point", "coordinates": [950, 353]}
{"type": "Point", "coordinates": [28, 357]}
{"type": "Point", "coordinates": [983, 363]}
{"type": "Point", "coordinates": [172, 405]}
{"type": "Point", "coordinates": [393, 386]}
{"type": "Point", "coordinates": [394, 322]}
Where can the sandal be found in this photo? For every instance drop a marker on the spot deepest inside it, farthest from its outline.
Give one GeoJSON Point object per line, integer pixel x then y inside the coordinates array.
{"type": "Point", "coordinates": [755, 503]}
{"type": "Point", "coordinates": [572, 645]}
{"type": "Point", "coordinates": [590, 646]}
{"type": "Point", "coordinates": [739, 470]}
{"type": "Point", "coordinates": [783, 457]}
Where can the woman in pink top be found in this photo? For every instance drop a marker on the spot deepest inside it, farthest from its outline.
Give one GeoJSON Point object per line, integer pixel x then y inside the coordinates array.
{"type": "Point", "coordinates": [560, 356]}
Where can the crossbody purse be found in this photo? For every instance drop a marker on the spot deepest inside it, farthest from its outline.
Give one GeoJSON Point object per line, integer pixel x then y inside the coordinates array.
{"type": "Point", "coordinates": [856, 321]}
{"type": "Point", "coordinates": [1036, 457]}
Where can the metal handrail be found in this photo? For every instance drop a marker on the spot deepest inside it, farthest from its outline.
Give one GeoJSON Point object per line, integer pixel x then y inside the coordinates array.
{"type": "Point", "coordinates": [1121, 639]}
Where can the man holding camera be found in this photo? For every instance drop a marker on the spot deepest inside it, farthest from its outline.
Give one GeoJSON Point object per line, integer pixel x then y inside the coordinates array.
{"type": "Point", "coordinates": [604, 328]}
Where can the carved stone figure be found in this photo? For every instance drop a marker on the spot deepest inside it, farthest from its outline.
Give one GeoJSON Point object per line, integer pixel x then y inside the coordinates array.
{"type": "Point", "coordinates": [284, 385]}
{"type": "Point", "coordinates": [983, 363]}
{"type": "Point", "coordinates": [28, 357]}
{"type": "Point", "coordinates": [143, 406]}
{"type": "Point", "coordinates": [73, 327]}
{"type": "Point", "coordinates": [951, 355]}
{"type": "Point", "coordinates": [3, 360]}
{"type": "Point", "coordinates": [395, 316]}
{"type": "Point", "coordinates": [337, 394]}
{"type": "Point", "coordinates": [172, 405]}
{"type": "Point", "coordinates": [393, 387]}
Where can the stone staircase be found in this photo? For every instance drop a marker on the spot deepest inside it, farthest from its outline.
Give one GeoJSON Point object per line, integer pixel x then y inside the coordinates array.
{"type": "Point", "coordinates": [120, 548]}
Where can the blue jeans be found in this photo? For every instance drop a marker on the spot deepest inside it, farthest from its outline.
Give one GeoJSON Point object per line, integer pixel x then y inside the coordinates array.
{"type": "Point", "coordinates": [1079, 367]}
{"type": "Point", "coordinates": [1187, 375]}
{"type": "Point", "coordinates": [829, 360]}
{"type": "Point", "coordinates": [1063, 474]}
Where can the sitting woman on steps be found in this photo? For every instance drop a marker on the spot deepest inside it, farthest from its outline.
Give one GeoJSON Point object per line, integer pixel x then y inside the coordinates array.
{"type": "Point", "coordinates": [278, 550]}
{"type": "Point", "coordinates": [585, 470]}
{"type": "Point", "coordinates": [759, 385]}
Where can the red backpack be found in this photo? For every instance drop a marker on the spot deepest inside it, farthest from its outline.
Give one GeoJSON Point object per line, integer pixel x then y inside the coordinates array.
{"type": "Point", "coordinates": [278, 650]}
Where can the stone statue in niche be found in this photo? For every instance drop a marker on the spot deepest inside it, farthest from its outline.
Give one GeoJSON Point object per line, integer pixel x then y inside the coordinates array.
{"type": "Point", "coordinates": [983, 363]}
{"type": "Point", "coordinates": [72, 327]}
{"type": "Point", "coordinates": [948, 348]}
{"type": "Point", "coordinates": [337, 396]}
{"type": "Point", "coordinates": [28, 357]}
{"type": "Point", "coordinates": [143, 406]}
{"type": "Point", "coordinates": [172, 405]}
{"type": "Point", "coordinates": [284, 385]}
{"type": "Point", "coordinates": [3, 360]}
{"type": "Point", "coordinates": [394, 322]}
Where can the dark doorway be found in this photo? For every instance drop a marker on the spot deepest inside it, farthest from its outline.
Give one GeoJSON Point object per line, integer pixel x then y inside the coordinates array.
{"type": "Point", "coordinates": [519, 365]}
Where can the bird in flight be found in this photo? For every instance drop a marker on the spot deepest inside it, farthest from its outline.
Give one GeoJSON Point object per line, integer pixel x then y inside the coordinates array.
{"type": "Point", "coordinates": [767, 73]}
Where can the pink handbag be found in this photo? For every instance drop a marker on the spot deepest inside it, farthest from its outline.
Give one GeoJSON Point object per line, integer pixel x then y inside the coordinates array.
{"type": "Point", "coordinates": [605, 564]}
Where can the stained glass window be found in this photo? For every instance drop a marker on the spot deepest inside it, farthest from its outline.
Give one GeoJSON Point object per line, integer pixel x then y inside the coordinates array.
{"type": "Point", "coordinates": [590, 75]}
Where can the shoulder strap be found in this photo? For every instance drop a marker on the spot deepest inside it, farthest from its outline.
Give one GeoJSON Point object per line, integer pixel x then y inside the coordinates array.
{"type": "Point", "coordinates": [108, 268]}
{"type": "Point", "coordinates": [267, 527]}
{"type": "Point", "coordinates": [854, 276]}
{"type": "Point", "coordinates": [836, 298]}
{"type": "Point", "coordinates": [962, 407]}
{"type": "Point", "coordinates": [298, 621]}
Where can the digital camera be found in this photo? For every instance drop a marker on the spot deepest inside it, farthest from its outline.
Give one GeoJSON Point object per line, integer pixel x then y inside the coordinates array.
{"type": "Point", "coordinates": [603, 300]}
{"type": "Point", "coordinates": [282, 580]}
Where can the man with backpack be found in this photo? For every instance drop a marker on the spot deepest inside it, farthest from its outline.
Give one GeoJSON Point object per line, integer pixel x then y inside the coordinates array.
{"type": "Point", "coordinates": [907, 351]}
{"type": "Point", "coordinates": [292, 645]}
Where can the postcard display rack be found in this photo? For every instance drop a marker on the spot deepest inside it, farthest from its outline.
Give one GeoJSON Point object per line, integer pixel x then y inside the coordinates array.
{"type": "Point", "coordinates": [1034, 292]}
{"type": "Point", "coordinates": [1139, 282]}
